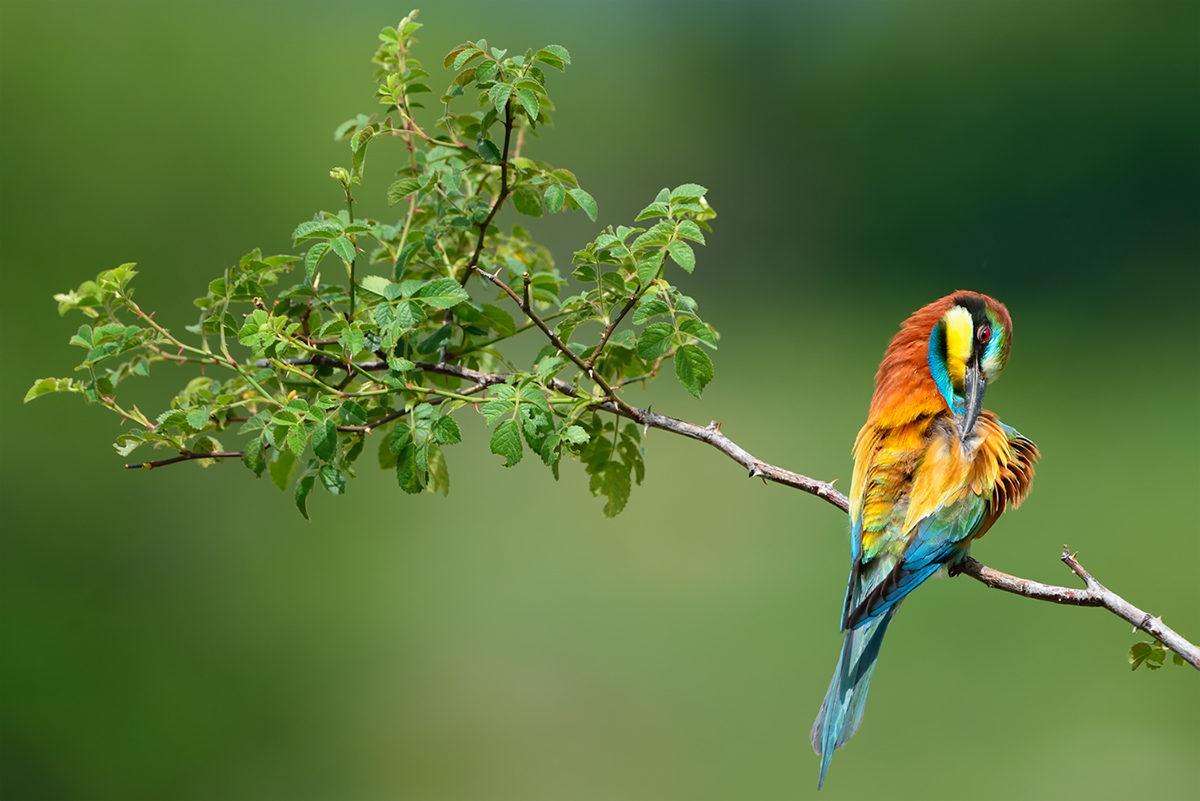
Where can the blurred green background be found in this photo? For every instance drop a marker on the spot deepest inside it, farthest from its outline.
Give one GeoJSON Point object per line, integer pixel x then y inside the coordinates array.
{"type": "Point", "coordinates": [184, 634]}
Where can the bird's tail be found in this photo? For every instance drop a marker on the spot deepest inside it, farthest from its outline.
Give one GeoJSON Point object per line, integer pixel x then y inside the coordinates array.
{"type": "Point", "coordinates": [842, 710]}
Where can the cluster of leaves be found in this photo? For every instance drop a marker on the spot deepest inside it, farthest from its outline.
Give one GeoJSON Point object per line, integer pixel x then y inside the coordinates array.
{"type": "Point", "coordinates": [1151, 654]}
{"type": "Point", "coordinates": [410, 328]}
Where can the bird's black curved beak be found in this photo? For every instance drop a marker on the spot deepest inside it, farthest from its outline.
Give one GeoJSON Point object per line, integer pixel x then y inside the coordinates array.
{"type": "Point", "coordinates": [974, 387]}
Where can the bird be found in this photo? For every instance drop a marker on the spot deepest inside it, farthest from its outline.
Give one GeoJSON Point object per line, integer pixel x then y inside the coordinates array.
{"type": "Point", "coordinates": [933, 470]}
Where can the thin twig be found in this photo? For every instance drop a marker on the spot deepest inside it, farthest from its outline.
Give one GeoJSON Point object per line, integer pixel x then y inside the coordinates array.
{"type": "Point", "coordinates": [483, 226]}
{"type": "Point", "coordinates": [185, 456]}
{"type": "Point", "coordinates": [608, 331]}
{"type": "Point", "coordinates": [1095, 594]}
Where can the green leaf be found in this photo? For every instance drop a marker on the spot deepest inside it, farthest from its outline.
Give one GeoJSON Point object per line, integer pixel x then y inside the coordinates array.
{"type": "Point", "coordinates": [446, 431]}
{"type": "Point", "coordinates": [613, 482]}
{"type": "Point", "coordinates": [437, 471]}
{"type": "Point", "coordinates": [555, 196]}
{"type": "Point", "coordinates": [575, 435]}
{"type": "Point", "coordinates": [499, 95]}
{"type": "Point", "coordinates": [467, 54]}
{"type": "Point", "coordinates": [44, 386]}
{"type": "Point", "coordinates": [682, 254]}
{"type": "Point", "coordinates": [198, 418]}
{"type": "Point", "coordinates": [408, 314]}
{"type": "Point", "coordinates": [312, 259]}
{"type": "Point", "coordinates": [253, 458]}
{"type": "Point", "coordinates": [649, 306]}
{"type": "Point", "coordinates": [408, 469]}
{"type": "Point", "coordinates": [647, 269]}
{"type": "Point", "coordinates": [442, 293]}
{"type": "Point", "coordinates": [281, 468]}
{"type": "Point", "coordinates": [377, 285]}
{"type": "Point", "coordinates": [297, 439]}
{"type": "Point", "coordinates": [527, 200]}
{"type": "Point", "coordinates": [325, 440]}
{"type": "Point", "coordinates": [558, 51]}
{"type": "Point", "coordinates": [501, 320]}
{"type": "Point", "coordinates": [687, 191]}
{"type": "Point", "coordinates": [352, 339]}
{"type": "Point", "coordinates": [689, 230]}
{"type": "Point", "coordinates": [488, 151]}
{"type": "Point", "coordinates": [352, 414]}
{"type": "Point", "coordinates": [1178, 659]}
{"type": "Point", "coordinates": [529, 102]}
{"type": "Point", "coordinates": [303, 487]}
{"type": "Point", "coordinates": [317, 229]}
{"type": "Point", "coordinates": [698, 329]}
{"type": "Point", "coordinates": [585, 201]}
{"type": "Point", "coordinates": [344, 248]}
{"type": "Point", "coordinates": [655, 341]}
{"type": "Point", "coordinates": [693, 368]}
{"type": "Point", "coordinates": [333, 479]}
{"type": "Point", "coordinates": [506, 442]}
{"type": "Point", "coordinates": [401, 189]}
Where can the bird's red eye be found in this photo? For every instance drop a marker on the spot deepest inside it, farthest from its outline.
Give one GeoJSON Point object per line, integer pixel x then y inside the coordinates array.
{"type": "Point", "coordinates": [985, 333]}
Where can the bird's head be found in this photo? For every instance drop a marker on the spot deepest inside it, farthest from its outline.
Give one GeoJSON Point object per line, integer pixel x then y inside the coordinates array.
{"type": "Point", "coordinates": [968, 347]}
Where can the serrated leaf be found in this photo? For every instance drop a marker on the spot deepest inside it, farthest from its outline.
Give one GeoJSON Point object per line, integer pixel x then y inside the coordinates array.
{"type": "Point", "coordinates": [467, 54]}
{"type": "Point", "coordinates": [446, 431]}
{"type": "Point", "coordinates": [303, 488]}
{"type": "Point", "coordinates": [499, 95]}
{"type": "Point", "coordinates": [488, 151]}
{"type": "Point", "coordinates": [613, 482]}
{"type": "Point", "coordinates": [408, 314]}
{"type": "Point", "coordinates": [325, 440]}
{"type": "Point", "coordinates": [506, 442]}
{"type": "Point", "coordinates": [352, 413]}
{"type": "Point", "coordinates": [312, 259]}
{"type": "Point", "coordinates": [585, 201]}
{"type": "Point", "coordinates": [322, 229]}
{"type": "Point", "coordinates": [559, 52]}
{"type": "Point", "coordinates": [333, 479]}
{"type": "Point", "coordinates": [344, 248]}
{"type": "Point", "coordinates": [401, 189]}
{"type": "Point", "coordinates": [655, 341]}
{"type": "Point", "coordinates": [647, 269]}
{"type": "Point", "coordinates": [693, 326]}
{"type": "Point", "coordinates": [682, 254]}
{"type": "Point", "coordinates": [442, 293]}
{"type": "Point", "coordinates": [408, 472]}
{"type": "Point", "coordinates": [575, 435]}
{"type": "Point", "coordinates": [297, 439]}
{"type": "Point", "coordinates": [649, 306]}
{"type": "Point", "coordinates": [253, 458]}
{"type": "Point", "coordinates": [376, 285]}
{"type": "Point", "coordinates": [527, 201]}
{"type": "Point", "coordinates": [45, 386]}
{"type": "Point", "coordinates": [689, 230]}
{"type": "Point", "coordinates": [198, 418]}
{"type": "Point", "coordinates": [555, 196]}
{"type": "Point", "coordinates": [693, 368]}
{"type": "Point", "coordinates": [529, 102]}
{"type": "Point", "coordinates": [688, 190]}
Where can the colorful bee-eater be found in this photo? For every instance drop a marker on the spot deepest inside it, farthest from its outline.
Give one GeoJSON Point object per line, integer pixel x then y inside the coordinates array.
{"type": "Point", "coordinates": [932, 472]}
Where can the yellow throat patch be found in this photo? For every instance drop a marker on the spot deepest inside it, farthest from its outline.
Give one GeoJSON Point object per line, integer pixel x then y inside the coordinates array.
{"type": "Point", "coordinates": [960, 331]}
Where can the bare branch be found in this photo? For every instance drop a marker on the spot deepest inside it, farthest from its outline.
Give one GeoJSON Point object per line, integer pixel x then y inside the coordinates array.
{"type": "Point", "coordinates": [1095, 594]}
{"type": "Point", "coordinates": [184, 456]}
